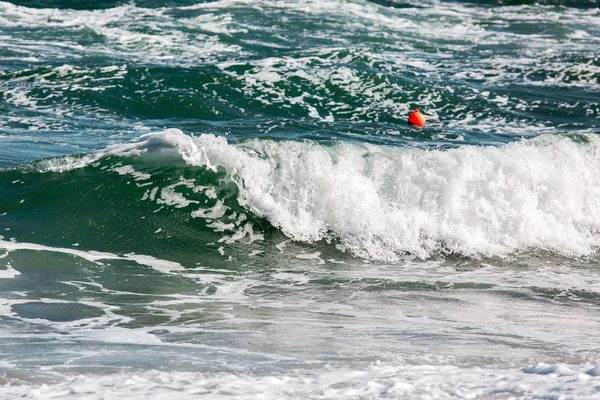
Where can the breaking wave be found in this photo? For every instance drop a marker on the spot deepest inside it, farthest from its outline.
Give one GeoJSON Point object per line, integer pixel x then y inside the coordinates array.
{"type": "Point", "coordinates": [377, 202]}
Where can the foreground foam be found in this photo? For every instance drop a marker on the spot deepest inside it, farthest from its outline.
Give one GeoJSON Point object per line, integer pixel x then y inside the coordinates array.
{"type": "Point", "coordinates": [378, 380]}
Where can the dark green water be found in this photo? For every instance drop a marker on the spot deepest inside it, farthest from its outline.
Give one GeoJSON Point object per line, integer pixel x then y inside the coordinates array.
{"type": "Point", "coordinates": [223, 199]}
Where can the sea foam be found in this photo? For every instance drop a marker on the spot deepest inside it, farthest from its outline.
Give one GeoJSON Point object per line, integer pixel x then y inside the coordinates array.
{"type": "Point", "coordinates": [378, 380]}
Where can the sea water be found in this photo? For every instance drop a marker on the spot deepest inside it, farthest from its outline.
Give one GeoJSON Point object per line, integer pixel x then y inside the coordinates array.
{"type": "Point", "coordinates": [223, 199]}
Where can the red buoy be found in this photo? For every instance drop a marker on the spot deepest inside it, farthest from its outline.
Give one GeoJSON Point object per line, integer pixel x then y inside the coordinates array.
{"type": "Point", "coordinates": [416, 119]}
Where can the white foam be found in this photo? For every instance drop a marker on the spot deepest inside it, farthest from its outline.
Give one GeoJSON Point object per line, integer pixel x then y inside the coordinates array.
{"type": "Point", "coordinates": [129, 170]}
{"type": "Point", "coordinates": [170, 197]}
{"type": "Point", "coordinates": [381, 202]}
{"type": "Point", "coordinates": [9, 272]}
{"type": "Point", "coordinates": [546, 369]}
{"type": "Point", "coordinates": [216, 211]}
{"type": "Point", "coordinates": [164, 266]}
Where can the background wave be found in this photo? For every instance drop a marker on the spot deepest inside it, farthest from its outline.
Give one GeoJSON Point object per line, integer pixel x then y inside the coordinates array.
{"type": "Point", "coordinates": [482, 74]}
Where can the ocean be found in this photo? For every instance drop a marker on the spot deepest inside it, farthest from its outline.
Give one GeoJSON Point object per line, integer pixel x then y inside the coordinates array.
{"type": "Point", "coordinates": [223, 199]}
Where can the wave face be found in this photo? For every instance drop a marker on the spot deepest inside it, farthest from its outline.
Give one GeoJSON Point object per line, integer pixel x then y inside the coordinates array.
{"type": "Point", "coordinates": [379, 203]}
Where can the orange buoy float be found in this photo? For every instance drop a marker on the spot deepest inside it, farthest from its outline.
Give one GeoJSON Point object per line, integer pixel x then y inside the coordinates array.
{"type": "Point", "coordinates": [416, 119]}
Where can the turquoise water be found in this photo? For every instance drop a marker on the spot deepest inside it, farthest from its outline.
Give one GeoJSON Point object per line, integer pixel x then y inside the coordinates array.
{"type": "Point", "coordinates": [223, 199]}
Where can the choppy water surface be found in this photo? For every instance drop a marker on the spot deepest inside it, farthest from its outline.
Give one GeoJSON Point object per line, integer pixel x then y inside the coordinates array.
{"type": "Point", "coordinates": [222, 199]}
